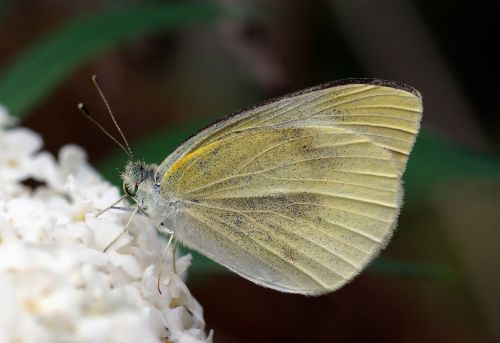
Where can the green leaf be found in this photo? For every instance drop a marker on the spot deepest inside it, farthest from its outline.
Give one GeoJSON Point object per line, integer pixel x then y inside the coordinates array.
{"type": "Point", "coordinates": [42, 67]}
{"type": "Point", "coordinates": [203, 266]}
{"type": "Point", "coordinates": [410, 269]}
{"type": "Point", "coordinates": [435, 161]}
{"type": "Point", "coordinates": [4, 7]}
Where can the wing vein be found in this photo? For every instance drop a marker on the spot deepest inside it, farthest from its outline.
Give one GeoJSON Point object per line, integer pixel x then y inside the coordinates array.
{"type": "Point", "coordinates": [321, 95]}
{"type": "Point", "coordinates": [289, 109]}
{"type": "Point", "coordinates": [308, 223]}
{"type": "Point", "coordinates": [363, 98]}
{"type": "Point", "coordinates": [355, 115]}
{"type": "Point", "coordinates": [326, 158]}
{"type": "Point", "coordinates": [256, 116]}
{"type": "Point", "coordinates": [264, 171]}
{"type": "Point", "coordinates": [256, 182]}
{"type": "Point", "coordinates": [339, 209]}
{"type": "Point", "coordinates": [298, 139]}
{"type": "Point", "coordinates": [332, 181]}
{"type": "Point", "coordinates": [247, 250]}
{"type": "Point", "coordinates": [313, 243]}
{"type": "Point", "coordinates": [284, 215]}
{"type": "Point", "coordinates": [381, 126]}
{"type": "Point", "coordinates": [340, 196]}
{"type": "Point", "coordinates": [274, 147]}
{"type": "Point", "coordinates": [283, 165]}
{"type": "Point", "coordinates": [408, 109]}
{"type": "Point", "coordinates": [272, 251]}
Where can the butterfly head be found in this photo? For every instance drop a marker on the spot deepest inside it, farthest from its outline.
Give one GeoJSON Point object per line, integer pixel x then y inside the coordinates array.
{"type": "Point", "coordinates": [140, 184]}
{"type": "Point", "coordinates": [136, 174]}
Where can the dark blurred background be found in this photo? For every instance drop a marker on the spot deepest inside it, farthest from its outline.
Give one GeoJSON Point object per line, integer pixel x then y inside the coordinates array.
{"type": "Point", "coordinates": [170, 67]}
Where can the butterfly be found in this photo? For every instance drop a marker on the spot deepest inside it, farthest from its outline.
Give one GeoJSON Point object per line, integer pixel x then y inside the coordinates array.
{"type": "Point", "coordinates": [297, 194]}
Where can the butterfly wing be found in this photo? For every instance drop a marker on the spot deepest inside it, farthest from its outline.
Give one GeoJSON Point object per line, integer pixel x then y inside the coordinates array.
{"type": "Point", "coordinates": [387, 112]}
{"type": "Point", "coordinates": [290, 198]}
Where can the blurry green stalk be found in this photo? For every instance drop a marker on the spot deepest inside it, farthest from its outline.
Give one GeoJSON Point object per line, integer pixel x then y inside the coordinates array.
{"type": "Point", "coordinates": [42, 67]}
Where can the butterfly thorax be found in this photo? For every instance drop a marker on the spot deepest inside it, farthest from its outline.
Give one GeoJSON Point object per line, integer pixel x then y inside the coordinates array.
{"type": "Point", "coordinates": [139, 183]}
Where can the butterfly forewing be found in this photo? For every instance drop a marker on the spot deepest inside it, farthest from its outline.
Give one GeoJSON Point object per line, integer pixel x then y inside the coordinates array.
{"type": "Point", "coordinates": [387, 112]}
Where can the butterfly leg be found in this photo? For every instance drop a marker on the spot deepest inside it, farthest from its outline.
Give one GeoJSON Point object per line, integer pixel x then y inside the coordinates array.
{"type": "Point", "coordinates": [111, 206]}
{"type": "Point", "coordinates": [125, 229]}
{"type": "Point", "coordinates": [164, 255]}
{"type": "Point", "coordinates": [122, 208]}
{"type": "Point", "coordinates": [174, 250]}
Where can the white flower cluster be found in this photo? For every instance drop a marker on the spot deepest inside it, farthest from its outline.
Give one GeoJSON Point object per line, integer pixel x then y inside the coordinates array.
{"type": "Point", "coordinates": [56, 283]}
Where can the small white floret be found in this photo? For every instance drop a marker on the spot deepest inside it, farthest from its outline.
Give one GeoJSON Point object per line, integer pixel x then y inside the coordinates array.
{"type": "Point", "coordinates": [56, 283]}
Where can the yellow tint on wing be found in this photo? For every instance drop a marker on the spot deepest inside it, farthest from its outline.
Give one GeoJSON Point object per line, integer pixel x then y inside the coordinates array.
{"type": "Point", "coordinates": [193, 156]}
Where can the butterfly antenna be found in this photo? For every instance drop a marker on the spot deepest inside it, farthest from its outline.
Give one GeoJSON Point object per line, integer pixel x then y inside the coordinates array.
{"type": "Point", "coordinates": [101, 93]}
{"type": "Point", "coordinates": [87, 114]}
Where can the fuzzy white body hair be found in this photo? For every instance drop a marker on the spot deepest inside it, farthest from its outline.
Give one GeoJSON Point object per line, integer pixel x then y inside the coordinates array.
{"type": "Point", "coordinates": [139, 181]}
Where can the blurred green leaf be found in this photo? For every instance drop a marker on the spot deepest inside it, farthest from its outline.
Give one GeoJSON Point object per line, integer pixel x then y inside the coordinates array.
{"type": "Point", "coordinates": [435, 161]}
{"type": "Point", "coordinates": [410, 269]}
{"type": "Point", "coordinates": [203, 266]}
{"type": "Point", "coordinates": [4, 7]}
{"type": "Point", "coordinates": [42, 67]}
